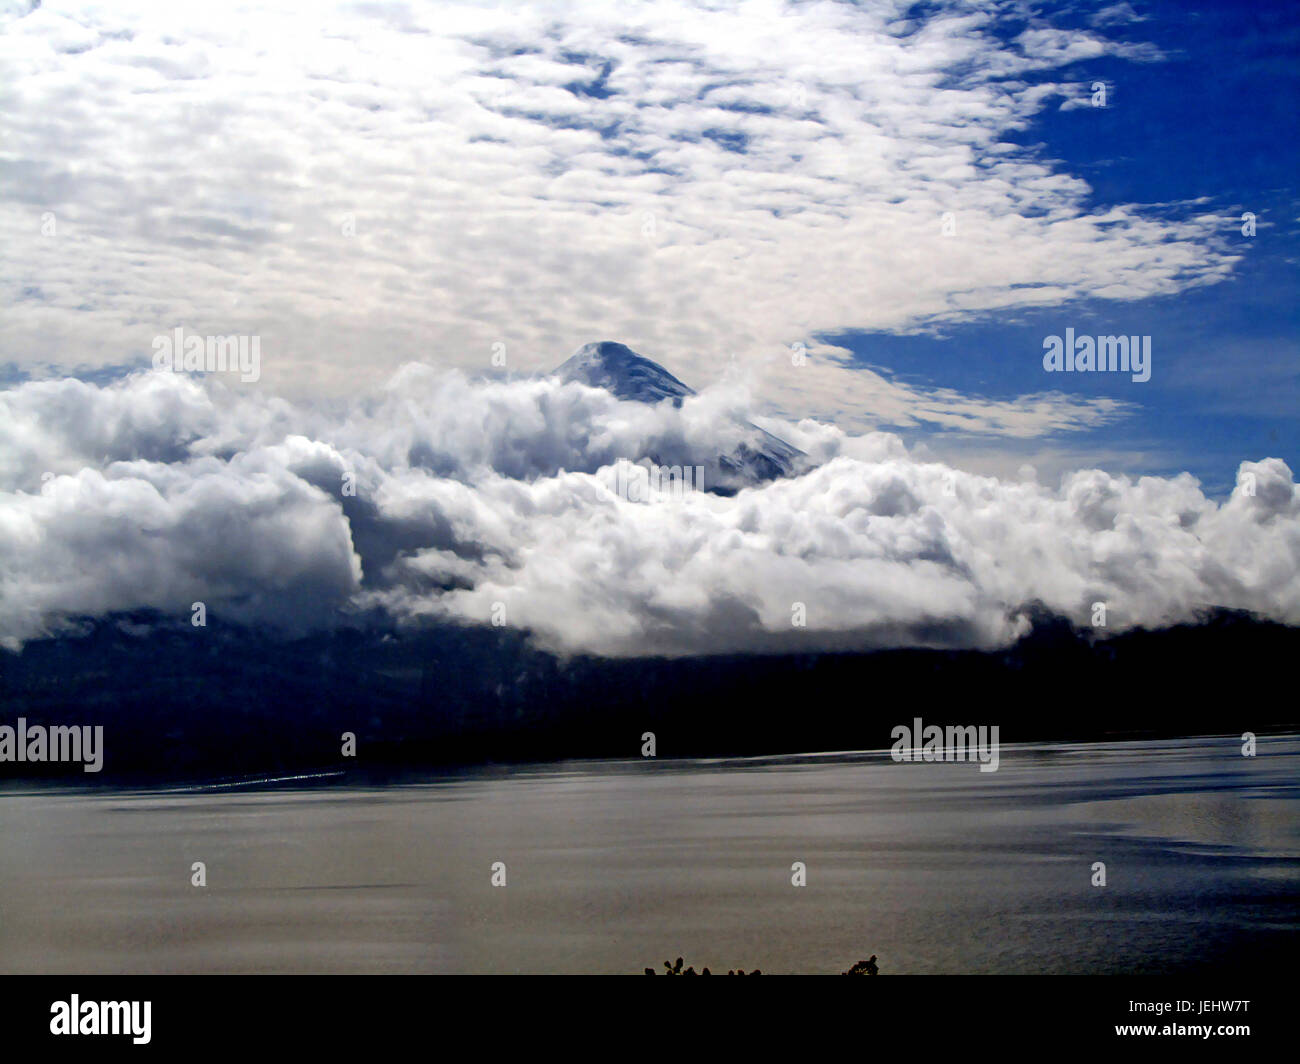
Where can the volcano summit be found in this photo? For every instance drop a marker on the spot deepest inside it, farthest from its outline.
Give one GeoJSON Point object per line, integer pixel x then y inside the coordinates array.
{"type": "Point", "coordinates": [757, 458]}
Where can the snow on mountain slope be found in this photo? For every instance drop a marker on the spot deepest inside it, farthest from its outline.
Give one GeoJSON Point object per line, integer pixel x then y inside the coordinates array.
{"type": "Point", "coordinates": [620, 370]}
{"type": "Point", "coordinates": [628, 376]}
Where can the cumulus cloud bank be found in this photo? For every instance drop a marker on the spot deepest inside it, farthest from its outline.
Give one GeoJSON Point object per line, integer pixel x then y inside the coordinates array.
{"type": "Point", "coordinates": [161, 489]}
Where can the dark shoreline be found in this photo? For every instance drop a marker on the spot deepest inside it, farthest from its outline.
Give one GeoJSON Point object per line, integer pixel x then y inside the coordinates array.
{"type": "Point", "coordinates": [180, 705]}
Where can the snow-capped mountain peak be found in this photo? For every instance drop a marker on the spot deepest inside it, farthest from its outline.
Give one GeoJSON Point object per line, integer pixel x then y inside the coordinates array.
{"type": "Point", "coordinates": [629, 376]}
{"type": "Point", "coordinates": [621, 371]}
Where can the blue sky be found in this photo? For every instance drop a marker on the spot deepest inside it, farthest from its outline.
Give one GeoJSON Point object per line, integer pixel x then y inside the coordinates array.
{"type": "Point", "coordinates": [1215, 120]}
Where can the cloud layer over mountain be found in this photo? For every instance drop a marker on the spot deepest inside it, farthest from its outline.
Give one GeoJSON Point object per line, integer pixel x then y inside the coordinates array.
{"type": "Point", "coordinates": [161, 490]}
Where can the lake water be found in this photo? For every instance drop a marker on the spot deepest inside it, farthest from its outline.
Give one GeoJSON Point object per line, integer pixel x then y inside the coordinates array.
{"type": "Point", "coordinates": [613, 866]}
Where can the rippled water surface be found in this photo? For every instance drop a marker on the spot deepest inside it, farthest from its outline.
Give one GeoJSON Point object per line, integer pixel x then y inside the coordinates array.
{"type": "Point", "coordinates": [614, 866]}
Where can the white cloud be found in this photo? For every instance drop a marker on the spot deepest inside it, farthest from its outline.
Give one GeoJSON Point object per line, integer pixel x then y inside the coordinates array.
{"type": "Point", "coordinates": [167, 490]}
{"type": "Point", "coordinates": [1116, 14]}
{"type": "Point", "coordinates": [699, 181]}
